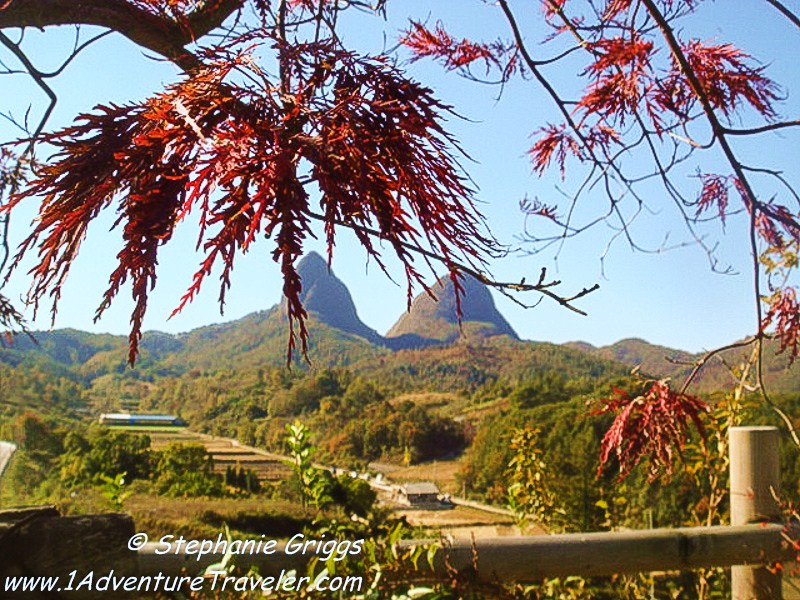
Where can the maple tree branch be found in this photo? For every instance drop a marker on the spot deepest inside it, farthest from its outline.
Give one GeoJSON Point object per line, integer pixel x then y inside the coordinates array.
{"type": "Point", "coordinates": [777, 175]}
{"type": "Point", "coordinates": [8, 314]}
{"type": "Point", "coordinates": [159, 34]}
{"type": "Point", "coordinates": [532, 65]}
{"type": "Point", "coordinates": [75, 52]}
{"type": "Point", "coordinates": [162, 35]}
{"type": "Point", "coordinates": [38, 77]}
{"type": "Point", "coordinates": [787, 420]}
{"type": "Point", "coordinates": [762, 129]}
{"type": "Point", "coordinates": [11, 319]}
{"type": "Point", "coordinates": [698, 365]}
{"type": "Point", "coordinates": [755, 206]}
{"type": "Point", "coordinates": [717, 128]}
{"type": "Point", "coordinates": [604, 166]}
{"type": "Point", "coordinates": [785, 12]}
{"type": "Point", "coordinates": [5, 250]}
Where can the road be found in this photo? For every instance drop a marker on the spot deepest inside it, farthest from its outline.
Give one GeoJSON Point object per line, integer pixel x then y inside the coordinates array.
{"type": "Point", "coordinates": [6, 450]}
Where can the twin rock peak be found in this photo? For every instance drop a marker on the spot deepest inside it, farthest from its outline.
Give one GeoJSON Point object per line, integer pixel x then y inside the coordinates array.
{"type": "Point", "coordinates": [429, 322]}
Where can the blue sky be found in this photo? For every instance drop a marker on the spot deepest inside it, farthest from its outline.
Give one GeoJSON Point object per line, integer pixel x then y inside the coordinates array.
{"type": "Point", "coordinates": [671, 298]}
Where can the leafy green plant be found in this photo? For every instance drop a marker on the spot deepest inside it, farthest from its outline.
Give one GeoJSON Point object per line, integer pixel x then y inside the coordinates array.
{"type": "Point", "coordinates": [113, 489]}
{"type": "Point", "coordinates": [301, 450]}
{"type": "Point", "coordinates": [529, 494]}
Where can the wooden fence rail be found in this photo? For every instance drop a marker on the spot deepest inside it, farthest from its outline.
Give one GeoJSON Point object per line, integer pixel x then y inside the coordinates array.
{"type": "Point", "coordinates": [533, 558]}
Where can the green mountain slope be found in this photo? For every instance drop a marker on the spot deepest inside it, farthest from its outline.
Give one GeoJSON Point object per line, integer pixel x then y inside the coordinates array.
{"type": "Point", "coordinates": [468, 365]}
{"type": "Point", "coordinates": [261, 339]}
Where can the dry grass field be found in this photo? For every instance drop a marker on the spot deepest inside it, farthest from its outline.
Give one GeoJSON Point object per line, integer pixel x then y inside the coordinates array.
{"type": "Point", "coordinates": [461, 522]}
{"type": "Point", "coordinates": [441, 472]}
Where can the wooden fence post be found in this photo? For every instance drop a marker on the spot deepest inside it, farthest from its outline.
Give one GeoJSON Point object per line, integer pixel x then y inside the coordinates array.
{"type": "Point", "coordinates": [755, 481]}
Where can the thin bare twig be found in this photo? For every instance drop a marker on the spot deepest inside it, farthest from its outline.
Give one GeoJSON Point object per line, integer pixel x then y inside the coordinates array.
{"type": "Point", "coordinates": [541, 286]}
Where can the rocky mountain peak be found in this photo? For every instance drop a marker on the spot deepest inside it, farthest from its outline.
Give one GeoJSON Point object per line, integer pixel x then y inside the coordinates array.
{"type": "Point", "coordinates": [436, 317]}
{"type": "Point", "coordinates": [328, 298]}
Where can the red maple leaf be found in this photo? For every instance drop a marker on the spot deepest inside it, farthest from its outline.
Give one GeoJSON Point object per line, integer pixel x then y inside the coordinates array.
{"type": "Point", "coordinates": [622, 77]}
{"type": "Point", "coordinates": [438, 43]}
{"type": "Point", "coordinates": [537, 208]}
{"type": "Point", "coordinates": [773, 222]}
{"type": "Point", "coordinates": [554, 143]}
{"type": "Point", "coordinates": [726, 77]}
{"type": "Point", "coordinates": [784, 314]}
{"type": "Point", "coordinates": [714, 194]}
{"type": "Point", "coordinates": [652, 425]}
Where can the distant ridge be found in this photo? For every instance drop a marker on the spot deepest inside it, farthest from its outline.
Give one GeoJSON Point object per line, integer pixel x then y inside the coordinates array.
{"type": "Point", "coordinates": [436, 320]}
{"type": "Point", "coordinates": [653, 360]}
{"type": "Point", "coordinates": [423, 342]}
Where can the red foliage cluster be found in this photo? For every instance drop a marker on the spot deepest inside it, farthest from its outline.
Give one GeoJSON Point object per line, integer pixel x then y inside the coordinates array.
{"type": "Point", "coordinates": [306, 4]}
{"type": "Point", "coordinates": [9, 169]}
{"type": "Point", "coordinates": [768, 231]}
{"type": "Point", "coordinates": [370, 139]}
{"type": "Point", "coordinates": [617, 53]}
{"type": "Point", "coordinates": [776, 223]}
{"type": "Point", "coordinates": [727, 79]}
{"type": "Point", "coordinates": [725, 76]}
{"type": "Point", "coordinates": [555, 142]}
{"type": "Point", "coordinates": [651, 425]}
{"type": "Point", "coordinates": [626, 82]}
{"type": "Point", "coordinates": [784, 313]}
{"type": "Point", "coordinates": [601, 136]}
{"type": "Point", "coordinates": [437, 43]}
{"type": "Point", "coordinates": [773, 222]}
{"type": "Point", "coordinates": [779, 228]}
{"type": "Point", "coordinates": [714, 193]}
{"type": "Point", "coordinates": [551, 7]}
{"type": "Point", "coordinates": [623, 76]}
{"type": "Point", "coordinates": [615, 7]}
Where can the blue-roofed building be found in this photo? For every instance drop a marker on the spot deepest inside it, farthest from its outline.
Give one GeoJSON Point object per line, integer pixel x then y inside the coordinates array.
{"type": "Point", "coordinates": [140, 419]}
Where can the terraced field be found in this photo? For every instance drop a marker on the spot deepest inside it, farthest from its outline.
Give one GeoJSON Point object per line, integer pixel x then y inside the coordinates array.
{"type": "Point", "coordinates": [224, 452]}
